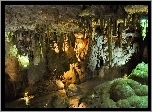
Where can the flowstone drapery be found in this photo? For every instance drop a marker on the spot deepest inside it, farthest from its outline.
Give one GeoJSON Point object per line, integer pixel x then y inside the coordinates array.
{"type": "Point", "coordinates": [98, 54]}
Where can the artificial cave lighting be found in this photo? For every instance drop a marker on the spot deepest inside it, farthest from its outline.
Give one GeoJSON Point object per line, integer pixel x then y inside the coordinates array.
{"type": "Point", "coordinates": [144, 20]}
{"type": "Point", "coordinates": [26, 94]}
{"type": "Point", "coordinates": [27, 98]}
{"type": "Point", "coordinates": [24, 60]}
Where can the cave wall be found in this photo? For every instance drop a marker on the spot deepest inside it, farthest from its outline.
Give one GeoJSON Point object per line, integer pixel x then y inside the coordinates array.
{"type": "Point", "coordinates": [16, 79]}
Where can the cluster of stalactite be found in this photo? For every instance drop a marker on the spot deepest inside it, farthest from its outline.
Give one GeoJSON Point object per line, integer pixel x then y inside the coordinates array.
{"type": "Point", "coordinates": [34, 43]}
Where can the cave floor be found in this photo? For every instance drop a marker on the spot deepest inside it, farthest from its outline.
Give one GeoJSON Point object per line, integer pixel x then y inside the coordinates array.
{"type": "Point", "coordinates": [41, 101]}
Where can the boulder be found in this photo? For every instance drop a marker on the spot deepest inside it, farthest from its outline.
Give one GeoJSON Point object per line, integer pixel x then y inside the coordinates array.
{"type": "Point", "coordinates": [73, 90]}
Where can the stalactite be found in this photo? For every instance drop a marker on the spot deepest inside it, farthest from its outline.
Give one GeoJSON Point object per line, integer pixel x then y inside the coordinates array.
{"type": "Point", "coordinates": [48, 32]}
{"type": "Point", "coordinates": [69, 39]}
{"type": "Point", "coordinates": [85, 22]}
{"type": "Point", "coordinates": [28, 42]}
{"type": "Point", "coordinates": [15, 37]}
{"type": "Point", "coordinates": [136, 22]}
{"type": "Point", "coordinates": [129, 19]}
{"type": "Point", "coordinates": [89, 28]}
{"type": "Point", "coordinates": [37, 53]}
{"type": "Point", "coordinates": [125, 22]}
{"type": "Point", "coordinates": [84, 30]}
{"type": "Point", "coordinates": [93, 29]}
{"type": "Point", "coordinates": [52, 37]}
{"type": "Point", "coordinates": [101, 23]}
{"type": "Point", "coordinates": [48, 40]}
{"type": "Point", "coordinates": [80, 21]}
{"type": "Point", "coordinates": [55, 36]}
{"type": "Point", "coordinates": [120, 27]}
{"type": "Point", "coordinates": [40, 43]}
{"type": "Point", "coordinates": [37, 47]}
{"type": "Point", "coordinates": [109, 42]}
{"type": "Point", "coordinates": [133, 21]}
{"type": "Point", "coordinates": [114, 27]}
{"type": "Point", "coordinates": [61, 40]}
{"type": "Point", "coordinates": [43, 46]}
{"type": "Point", "coordinates": [72, 39]}
{"type": "Point", "coordinates": [65, 38]}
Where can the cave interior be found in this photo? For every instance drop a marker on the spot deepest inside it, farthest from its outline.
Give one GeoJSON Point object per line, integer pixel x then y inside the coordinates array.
{"type": "Point", "coordinates": [76, 56]}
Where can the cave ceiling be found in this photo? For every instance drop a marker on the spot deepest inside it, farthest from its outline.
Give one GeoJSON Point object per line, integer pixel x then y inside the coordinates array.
{"type": "Point", "coordinates": [63, 18]}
